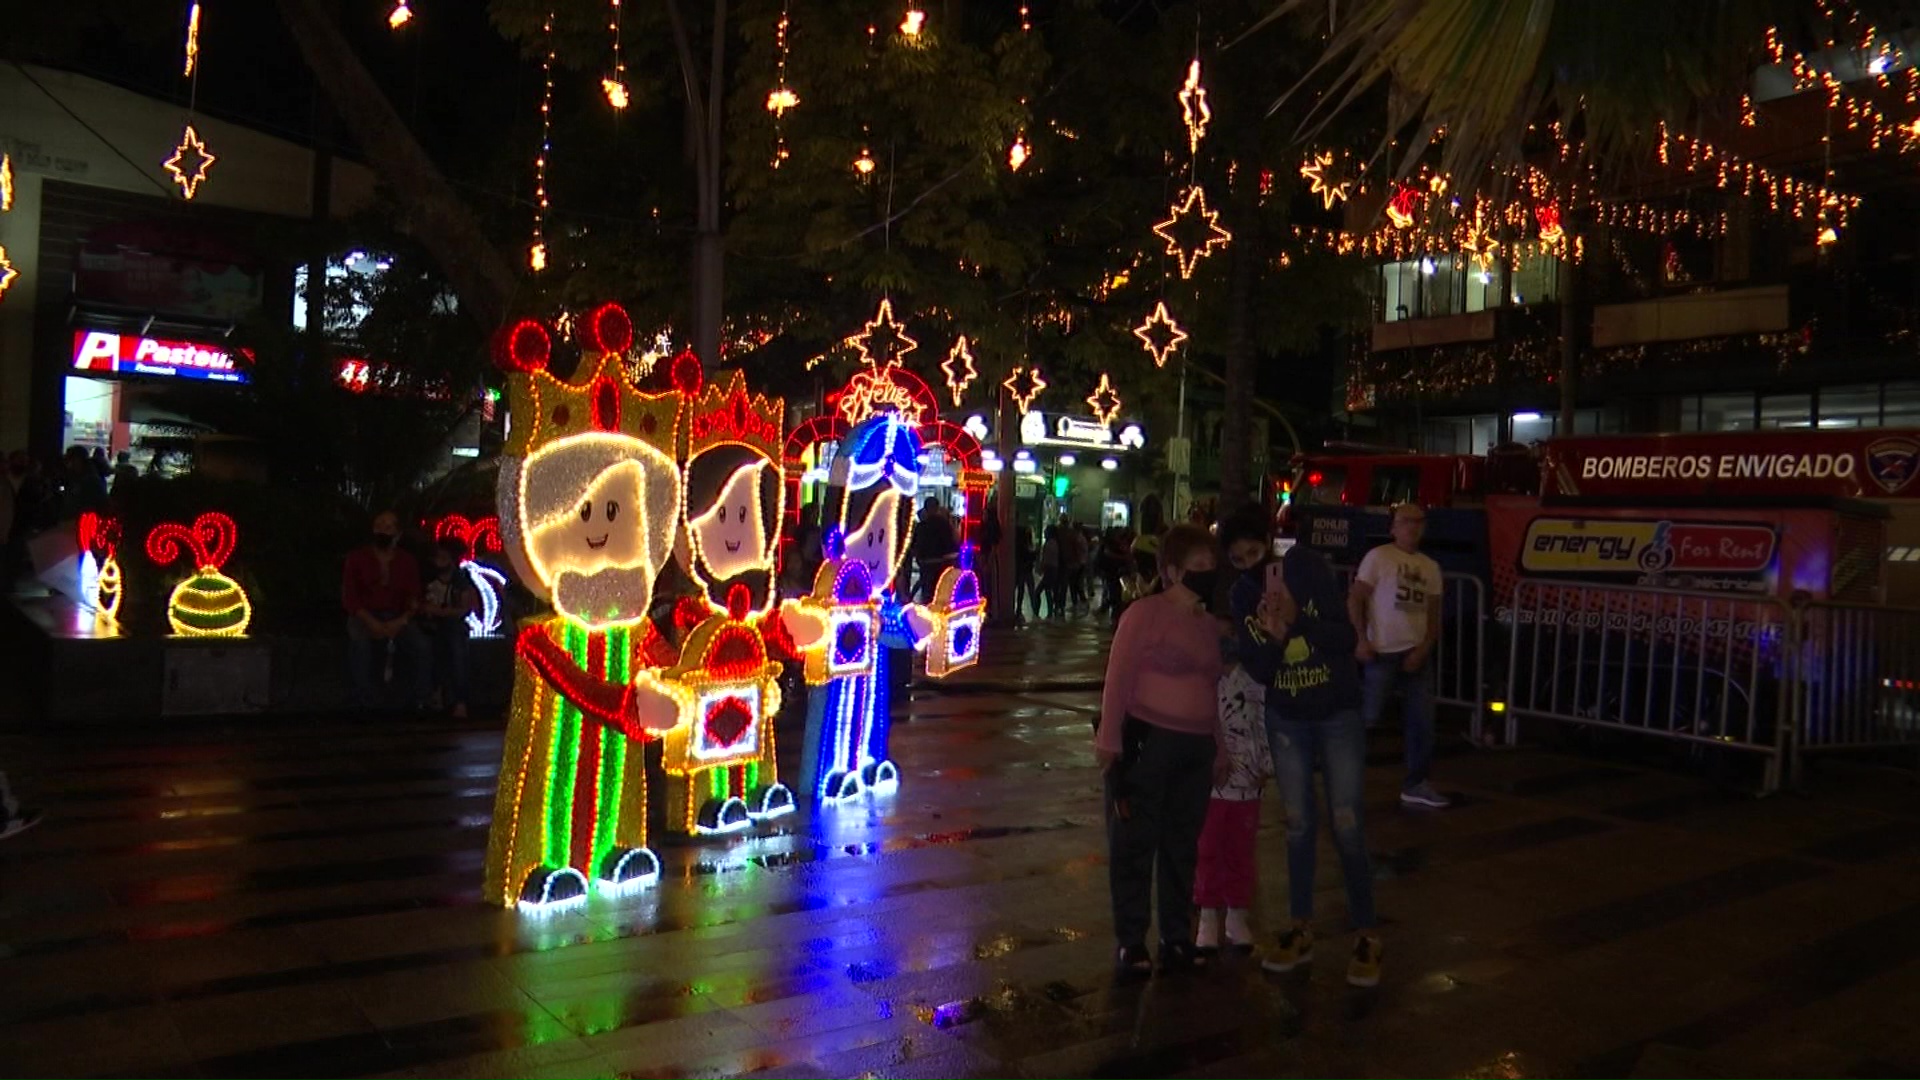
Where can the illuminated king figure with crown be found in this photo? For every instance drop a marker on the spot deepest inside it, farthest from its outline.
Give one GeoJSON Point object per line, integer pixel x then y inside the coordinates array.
{"type": "Point", "coordinates": [720, 760]}
{"type": "Point", "coordinates": [589, 498]}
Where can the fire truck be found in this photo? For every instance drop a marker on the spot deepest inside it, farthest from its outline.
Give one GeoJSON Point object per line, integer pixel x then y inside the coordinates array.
{"type": "Point", "coordinates": [1831, 515]}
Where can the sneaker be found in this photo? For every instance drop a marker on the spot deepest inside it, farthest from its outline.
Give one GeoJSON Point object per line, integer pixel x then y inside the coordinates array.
{"type": "Point", "coordinates": [1132, 961]}
{"type": "Point", "coordinates": [1239, 934]}
{"type": "Point", "coordinates": [1364, 968]}
{"type": "Point", "coordinates": [1294, 948]}
{"type": "Point", "coordinates": [1423, 795]}
{"type": "Point", "coordinates": [25, 820]}
{"type": "Point", "coordinates": [1208, 939]}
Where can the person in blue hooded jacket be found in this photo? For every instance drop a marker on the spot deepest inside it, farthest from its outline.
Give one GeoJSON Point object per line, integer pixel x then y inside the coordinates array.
{"type": "Point", "coordinates": [1298, 642]}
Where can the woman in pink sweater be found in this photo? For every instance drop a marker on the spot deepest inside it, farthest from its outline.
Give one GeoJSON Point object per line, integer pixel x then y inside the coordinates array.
{"type": "Point", "coordinates": [1156, 743]}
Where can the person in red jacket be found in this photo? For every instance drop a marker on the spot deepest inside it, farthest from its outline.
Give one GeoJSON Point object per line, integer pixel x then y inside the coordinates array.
{"type": "Point", "coordinates": [380, 589]}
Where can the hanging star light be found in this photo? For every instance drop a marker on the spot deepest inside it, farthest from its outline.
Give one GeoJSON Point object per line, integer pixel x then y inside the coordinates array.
{"type": "Point", "coordinates": [864, 164]}
{"type": "Point", "coordinates": [537, 249]}
{"type": "Point", "coordinates": [1160, 334]}
{"type": "Point", "coordinates": [1024, 390]}
{"type": "Point", "coordinates": [1105, 402]}
{"type": "Point", "coordinates": [6, 182]}
{"type": "Point", "coordinates": [400, 16]}
{"type": "Point", "coordinates": [190, 177]}
{"type": "Point", "coordinates": [1318, 173]}
{"type": "Point", "coordinates": [7, 272]}
{"type": "Point", "coordinates": [781, 97]}
{"type": "Point", "coordinates": [883, 342]}
{"type": "Point", "coordinates": [914, 22]}
{"type": "Point", "coordinates": [1018, 153]}
{"type": "Point", "coordinates": [1194, 108]}
{"type": "Point", "coordinates": [959, 369]}
{"type": "Point", "coordinates": [1190, 214]}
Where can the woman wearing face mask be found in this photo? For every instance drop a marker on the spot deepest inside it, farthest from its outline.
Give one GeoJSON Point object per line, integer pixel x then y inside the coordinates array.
{"type": "Point", "coordinates": [1157, 744]}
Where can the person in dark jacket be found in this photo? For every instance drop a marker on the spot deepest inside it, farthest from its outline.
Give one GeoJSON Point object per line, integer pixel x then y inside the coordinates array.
{"type": "Point", "coordinates": [1298, 642]}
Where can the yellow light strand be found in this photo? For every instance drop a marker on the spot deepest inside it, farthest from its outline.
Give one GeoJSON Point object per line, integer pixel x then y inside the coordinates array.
{"type": "Point", "coordinates": [781, 97]}
{"type": "Point", "coordinates": [537, 250]}
{"type": "Point", "coordinates": [615, 85]}
{"type": "Point", "coordinates": [193, 40]}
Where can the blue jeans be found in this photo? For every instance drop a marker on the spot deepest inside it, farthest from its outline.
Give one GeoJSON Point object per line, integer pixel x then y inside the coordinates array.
{"type": "Point", "coordinates": [1381, 678]}
{"type": "Point", "coordinates": [1338, 745]}
{"type": "Point", "coordinates": [412, 659]}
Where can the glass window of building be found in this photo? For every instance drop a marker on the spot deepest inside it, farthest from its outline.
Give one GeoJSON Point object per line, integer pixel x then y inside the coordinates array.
{"type": "Point", "coordinates": [1394, 484]}
{"type": "Point", "coordinates": [1850, 406]}
{"type": "Point", "coordinates": [1786, 411]}
{"type": "Point", "coordinates": [1723, 412]}
{"type": "Point", "coordinates": [1901, 406]}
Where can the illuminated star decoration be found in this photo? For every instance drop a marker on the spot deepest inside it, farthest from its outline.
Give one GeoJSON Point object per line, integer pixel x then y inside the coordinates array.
{"type": "Point", "coordinates": [1194, 108]}
{"type": "Point", "coordinates": [883, 342]}
{"type": "Point", "coordinates": [1024, 390]}
{"type": "Point", "coordinates": [959, 369]}
{"type": "Point", "coordinates": [400, 16]}
{"type": "Point", "coordinates": [1190, 214]}
{"type": "Point", "coordinates": [1105, 402]}
{"type": "Point", "coordinates": [6, 182]}
{"type": "Point", "coordinates": [190, 177]}
{"type": "Point", "coordinates": [1403, 206]}
{"type": "Point", "coordinates": [1017, 154]}
{"type": "Point", "coordinates": [1318, 174]}
{"type": "Point", "coordinates": [7, 272]}
{"type": "Point", "coordinates": [1160, 334]}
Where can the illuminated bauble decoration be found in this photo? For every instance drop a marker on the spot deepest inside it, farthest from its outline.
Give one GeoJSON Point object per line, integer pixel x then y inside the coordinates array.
{"type": "Point", "coordinates": [209, 603]}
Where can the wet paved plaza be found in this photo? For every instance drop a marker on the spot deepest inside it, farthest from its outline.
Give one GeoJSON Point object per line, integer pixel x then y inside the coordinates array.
{"type": "Point", "coordinates": [289, 897]}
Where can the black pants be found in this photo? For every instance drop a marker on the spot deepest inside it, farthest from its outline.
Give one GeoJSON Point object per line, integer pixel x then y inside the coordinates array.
{"type": "Point", "coordinates": [1165, 778]}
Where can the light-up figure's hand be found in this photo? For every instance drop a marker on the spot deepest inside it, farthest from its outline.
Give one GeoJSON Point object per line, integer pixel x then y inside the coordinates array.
{"type": "Point", "coordinates": [652, 704]}
{"type": "Point", "coordinates": [803, 622]}
{"type": "Point", "coordinates": [919, 623]}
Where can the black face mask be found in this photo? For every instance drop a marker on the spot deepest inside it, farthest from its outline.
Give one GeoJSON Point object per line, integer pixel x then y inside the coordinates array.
{"type": "Point", "coordinates": [384, 540]}
{"type": "Point", "coordinates": [1202, 582]}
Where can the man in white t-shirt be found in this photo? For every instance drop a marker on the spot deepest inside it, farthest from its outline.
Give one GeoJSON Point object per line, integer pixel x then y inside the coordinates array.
{"type": "Point", "coordinates": [1395, 604]}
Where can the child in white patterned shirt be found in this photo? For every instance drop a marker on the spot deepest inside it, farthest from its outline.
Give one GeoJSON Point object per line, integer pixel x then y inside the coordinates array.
{"type": "Point", "coordinates": [1223, 883]}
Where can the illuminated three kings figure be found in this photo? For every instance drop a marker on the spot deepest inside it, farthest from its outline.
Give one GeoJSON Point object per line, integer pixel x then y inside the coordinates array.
{"type": "Point", "coordinates": [869, 524]}
{"type": "Point", "coordinates": [589, 501]}
{"type": "Point", "coordinates": [720, 760]}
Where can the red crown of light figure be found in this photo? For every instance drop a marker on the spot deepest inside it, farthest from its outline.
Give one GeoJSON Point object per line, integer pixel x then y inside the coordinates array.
{"type": "Point", "coordinates": [600, 396]}
{"type": "Point", "coordinates": [726, 413]}
{"type": "Point", "coordinates": [211, 539]}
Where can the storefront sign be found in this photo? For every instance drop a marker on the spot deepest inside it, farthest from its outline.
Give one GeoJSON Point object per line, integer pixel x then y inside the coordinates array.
{"type": "Point", "coordinates": [1700, 555]}
{"type": "Point", "coordinates": [1039, 429]}
{"type": "Point", "coordinates": [105, 352]}
{"type": "Point", "coordinates": [1834, 464]}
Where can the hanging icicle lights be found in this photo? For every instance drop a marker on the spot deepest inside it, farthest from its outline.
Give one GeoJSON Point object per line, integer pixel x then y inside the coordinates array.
{"type": "Point", "coordinates": [537, 251]}
{"type": "Point", "coordinates": [615, 85]}
{"type": "Point", "coordinates": [781, 97]}
{"type": "Point", "coordinates": [191, 159]}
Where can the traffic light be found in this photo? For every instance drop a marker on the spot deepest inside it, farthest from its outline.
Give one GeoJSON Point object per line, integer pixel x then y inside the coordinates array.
{"type": "Point", "coordinates": [1060, 485]}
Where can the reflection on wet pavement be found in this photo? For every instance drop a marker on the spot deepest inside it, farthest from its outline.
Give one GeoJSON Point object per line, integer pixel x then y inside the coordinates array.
{"type": "Point", "coordinates": [301, 899]}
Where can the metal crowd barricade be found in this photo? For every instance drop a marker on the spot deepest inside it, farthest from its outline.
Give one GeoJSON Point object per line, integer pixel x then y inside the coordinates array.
{"type": "Point", "coordinates": [1459, 661]}
{"type": "Point", "coordinates": [1858, 683]}
{"type": "Point", "coordinates": [1699, 667]}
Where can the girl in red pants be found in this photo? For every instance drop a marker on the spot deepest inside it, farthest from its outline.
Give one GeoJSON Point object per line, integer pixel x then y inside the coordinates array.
{"type": "Point", "coordinates": [1223, 880]}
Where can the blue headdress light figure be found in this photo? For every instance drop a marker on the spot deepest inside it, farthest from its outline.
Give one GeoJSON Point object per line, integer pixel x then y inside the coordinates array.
{"type": "Point", "coordinates": [869, 527]}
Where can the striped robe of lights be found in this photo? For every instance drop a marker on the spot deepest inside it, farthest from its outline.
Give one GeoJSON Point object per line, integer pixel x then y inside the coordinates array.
{"type": "Point", "coordinates": [573, 781]}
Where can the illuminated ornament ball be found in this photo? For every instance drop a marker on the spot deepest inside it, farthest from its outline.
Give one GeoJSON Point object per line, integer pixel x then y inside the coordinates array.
{"type": "Point", "coordinates": [208, 603]}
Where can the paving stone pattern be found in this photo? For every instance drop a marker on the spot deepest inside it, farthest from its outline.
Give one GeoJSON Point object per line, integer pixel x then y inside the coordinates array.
{"type": "Point", "coordinates": [299, 898]}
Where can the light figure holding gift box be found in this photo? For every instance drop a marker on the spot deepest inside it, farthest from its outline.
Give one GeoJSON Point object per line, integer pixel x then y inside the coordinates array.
{"type": "Point", "coordinates": [869, 524]}
{"type": "Point", "coordinates": [720, 761]}
{"type": "Point", "coordinates": [589, 498]}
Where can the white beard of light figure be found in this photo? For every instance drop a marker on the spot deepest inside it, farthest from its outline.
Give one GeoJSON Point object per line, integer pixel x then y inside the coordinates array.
{"type": "Point", "coordinates": [596, 554]}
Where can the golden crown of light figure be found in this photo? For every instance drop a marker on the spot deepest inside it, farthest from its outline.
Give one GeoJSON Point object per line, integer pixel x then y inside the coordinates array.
{"type": "Point", "coordinates": [726, 413]}
{"type": "Point", "coordinates": [599, 397]}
